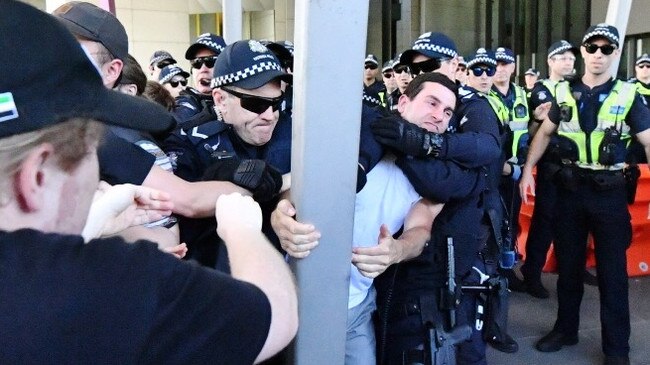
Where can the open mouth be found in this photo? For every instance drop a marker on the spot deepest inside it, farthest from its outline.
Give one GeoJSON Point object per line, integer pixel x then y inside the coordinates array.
{"type": "Point", "coordinates": [204, 82]}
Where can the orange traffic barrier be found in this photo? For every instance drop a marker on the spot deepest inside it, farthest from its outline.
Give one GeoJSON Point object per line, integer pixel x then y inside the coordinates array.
{"type": "Point", "coordinates": [638, 255]}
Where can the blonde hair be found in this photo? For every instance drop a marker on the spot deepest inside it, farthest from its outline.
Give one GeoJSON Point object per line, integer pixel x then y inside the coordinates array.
{"type": "Point", "coordinates": [71, 140]}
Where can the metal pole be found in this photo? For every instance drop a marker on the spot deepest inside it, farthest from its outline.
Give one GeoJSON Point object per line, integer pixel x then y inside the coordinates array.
{"type": "Point", "coordinates": [232, 20]}
{"type": "Point", "coordinates": [327, 112]}
{"type": "Point", "coordinates": [618, 12]}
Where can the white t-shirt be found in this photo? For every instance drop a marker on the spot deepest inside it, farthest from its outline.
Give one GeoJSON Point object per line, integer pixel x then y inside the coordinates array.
{"type": "Point", "coordinates": [386, 198]}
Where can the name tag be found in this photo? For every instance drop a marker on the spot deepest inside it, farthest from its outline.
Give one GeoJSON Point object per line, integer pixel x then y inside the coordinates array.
{"type": "Point", "coordinates": [616, 109]}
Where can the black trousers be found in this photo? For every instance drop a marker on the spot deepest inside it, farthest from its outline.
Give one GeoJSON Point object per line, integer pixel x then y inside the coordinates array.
{"type": "Point", "coordinates": [540, 233]}
{"type": "Point", "coordinates": [604, 214]}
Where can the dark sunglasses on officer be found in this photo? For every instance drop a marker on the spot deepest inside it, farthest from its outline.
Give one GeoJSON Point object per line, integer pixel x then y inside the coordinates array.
{"type": "Point", "coordinates": [479, 69]}
{"type": "Point", "coordinates": [388, 75]}
{"type": "Point", "coordinates": [427, 66]}
{"type": "Point", "coordinates": [370, 66]}
{"type": "Point", "coordinates": [401, 69]}
{"type": "Point", "coordinates": [256, 104]}
{"type": "Point", "coordinates": [198, 62]}
{"type": "Point", "coordinates": [606, 49]}
{"type": "Point", "coordinates": [643, 65]}
{"type": "Point", "coordinates": [175, 83]}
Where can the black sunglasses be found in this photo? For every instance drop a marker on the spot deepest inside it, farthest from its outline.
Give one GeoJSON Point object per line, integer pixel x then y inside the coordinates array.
{"type": "Point", "coordinates": [198, 62]}
{"type": "Point", "coordinates": [256, 104]}
{"type": "Point", "coordinates": [606, 49]}
{"type": "Point", "coordinates": [427, 66]}
{"type": "Point", "coordinates": [175, 83]}
{"type": "Point", "coordinates": [164, 63]}
{"type": "Point", "coordinates": [478, 71]}
{"type": "Point", "coordinates": [400, 69]}
{"type": "Point", "coordinates": [644, 65]}
{"type": "Point", "coordinates": [371, 66]}
{"type": "Point", "coordinates": [388, 75]}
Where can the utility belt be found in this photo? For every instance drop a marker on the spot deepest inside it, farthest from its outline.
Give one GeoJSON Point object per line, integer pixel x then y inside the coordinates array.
{"type": "Point", "coordinates": [571, 177]}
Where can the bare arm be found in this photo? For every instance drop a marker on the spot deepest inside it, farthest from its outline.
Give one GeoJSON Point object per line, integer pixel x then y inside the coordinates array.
{"type": "Point", "coordinates": [191, 199]}
{"type": "Point", "coordinates": [254, 260]}
{"type": "Point", "coordinates": [372, 261]}
{"type": "Point", "coordinates": [535, 152]}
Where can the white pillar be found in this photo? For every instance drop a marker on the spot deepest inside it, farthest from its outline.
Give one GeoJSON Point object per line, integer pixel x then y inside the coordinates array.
{"type": "Point", "coordinates": [618, 12]}
{"type": "Point", "coordinates": [232, 20]}
{"type": "Point", "coordinates": [328, 69]}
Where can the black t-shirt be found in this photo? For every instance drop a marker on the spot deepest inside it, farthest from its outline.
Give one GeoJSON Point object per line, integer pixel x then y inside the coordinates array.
{"type": "Point", "coordinates": [108, 302]}
{"type": "Point", "coordinates": [122, 162]}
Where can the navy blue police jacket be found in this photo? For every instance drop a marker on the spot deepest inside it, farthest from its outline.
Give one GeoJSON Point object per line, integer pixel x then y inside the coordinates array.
{"type": "Point", "coordinates": [191, 102]}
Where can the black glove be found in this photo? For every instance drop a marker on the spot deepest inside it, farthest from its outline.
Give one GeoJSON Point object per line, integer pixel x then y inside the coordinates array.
{"type": "Point", "coordinates": [257, 176]}
{"type": "Point", "coordinates": [406, 137]}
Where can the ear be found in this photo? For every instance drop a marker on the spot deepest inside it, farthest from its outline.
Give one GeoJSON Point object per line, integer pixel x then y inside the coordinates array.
{"type": "Point", "coordinates": [111, 72]}
{"type": "Point", "coordinates": [402, 102]}
{"type": "Point", "coordinates": [219, 98]}
{"type": "Point", "coordinates": [32, 178]}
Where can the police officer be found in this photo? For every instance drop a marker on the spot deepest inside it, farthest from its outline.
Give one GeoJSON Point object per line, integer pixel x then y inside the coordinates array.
{"type": "Point", "coordinates": [388, 77]}
{"type": "Point", "coordinates": [515, 120]}
{"type": "Point", "coordinates": [202, 55]}
{"type": "Point", "coordinates": [561, 61]}
{"type": "Point", "coordinates": [370, 70]}
{"type": "Point", "coordinates": [249, 144]}
{"type": "Point", "coordinates": [592, 193]}
{"type": "Point", "coordinates": [530, 78]}
{"type": "Point", "coordinates": [432, 52]}
{"type": "Point", "coordinates": [642, 76]}
{"type": "Point", "coordinates": [406, 292]}
{"type": "Point", "coordinates": [403, 76]}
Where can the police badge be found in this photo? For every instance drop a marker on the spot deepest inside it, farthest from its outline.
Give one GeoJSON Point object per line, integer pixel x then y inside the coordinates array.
{"type": "Point", "coordinates": [256, 46]}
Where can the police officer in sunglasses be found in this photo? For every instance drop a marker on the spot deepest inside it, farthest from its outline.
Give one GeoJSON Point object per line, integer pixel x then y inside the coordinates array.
{"type": "Point", "coordinates": [592, 196]}
{"type": "Point", "coordinates": [202, 55]}
{"type": "Point", "coordinates": [642, 76]}
{"type": "Point", "coordinates": [247, 141]}
{"type": "Point", "coordinates": [174, 79]}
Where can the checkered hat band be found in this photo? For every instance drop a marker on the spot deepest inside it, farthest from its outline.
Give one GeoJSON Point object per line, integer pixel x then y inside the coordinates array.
{"type": "Point", "coordinates": [158, 59]}
{"type": "Point", "coordinates": [247, 72]}
{"type": "Point", "coordinates": [504, 57]}
{"type": "Point", "coordinates": [371, 99]}
{"type": "Point", "coordinates": [169, 76]}
{"type": "Point", "coordinates": [485, 60]}
{"type": "Point", "coordinates": [210, 44]}
{"type": "Point", "coordinates": [435, 48]}
{"type": "Point", "coordinates": [602, 33]}
{"type": "Point", "coordinates": [643, 59]}
{"type": "Point", "coordinates": [559, 50]}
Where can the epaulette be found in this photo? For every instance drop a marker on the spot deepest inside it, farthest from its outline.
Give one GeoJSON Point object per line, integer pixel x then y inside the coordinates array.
{"type": "Point", "coordinates": [467, 94]}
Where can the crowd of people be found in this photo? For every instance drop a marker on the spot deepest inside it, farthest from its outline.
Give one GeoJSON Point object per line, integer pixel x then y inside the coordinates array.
{"type": "Point", "coordinates": [113, 180]}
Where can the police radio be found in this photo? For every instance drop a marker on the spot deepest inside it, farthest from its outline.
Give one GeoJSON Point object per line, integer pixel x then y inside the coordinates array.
{"type": "Point", "coordinates": [607, 148]}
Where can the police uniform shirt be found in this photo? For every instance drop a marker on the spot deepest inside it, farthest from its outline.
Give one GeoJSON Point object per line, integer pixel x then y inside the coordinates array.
{"type": "Point", "coordinates": [375, 88]}
{"type": "Point", "coordinates": [641, 85]}
{"type": "Point", "coordinates": [590, 100]}
{"type": "Point", "coordinates": [189, 103]}
{"type": "Point", "coordinates": [540, 95]}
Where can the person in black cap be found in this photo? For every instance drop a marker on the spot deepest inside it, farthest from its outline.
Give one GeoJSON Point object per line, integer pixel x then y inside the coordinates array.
{"type": "Point", "coordinates": [109, 302]}
{"type": "Point", "coordinates": [202, 55]}
{"type": "Point", "coordinates": [158, 61]}
{"type": "Point", "coordinates": [461, 71]}
{"type": "Point", "coordinates": [597, 119]}
{"type": "Point", "coordinates": [371, 86]}
{"type": "Point", "coordinates": [474, 144]}
{"type": "Point", "coordinates": [642, 76]}
{"type": "Point", "coordinates": [249, 135]}
{"type": "Point", "coordinates": [174, 79]}
{"type": "Point", "coordinates": [561, 62]}
{"type": "Point", "coordinates": [403, 76]}
{"type": "Point", "coordinates": [390, 84]}
{"type": "Point", "coordinates": [530, 78]}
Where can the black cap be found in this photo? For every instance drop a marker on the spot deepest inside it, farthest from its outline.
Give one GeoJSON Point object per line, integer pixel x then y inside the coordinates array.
{"type": "Point", "coordinates": [644, 58]}
{"type": "Point", "coordinates": [504, 55]}
{"type": "Point", "coordinates": [160, 56]}
{"type": "Point", "coordinates": [61, 83]}
{"type": "Point", "coordinates": [371, 59]}
{"type": "Point", "coordinates": [482, 57]}
{"type": "Point", "coordinates": [602, 30]}
{"type": "Point", "coordinates": [532, 71]}
{"type": "Point", "coordinates": [431, 44]}
{"type": "Point", "coordinates": [560, 47]}
{"type": "Point", "coordinates": [209, 41]}
{"type": "Point", "coordinates": [168, 73]}
{"type": "Point", "coordinates": [247, 64]}
{"type": "Point", "coordinates": [89, 21]}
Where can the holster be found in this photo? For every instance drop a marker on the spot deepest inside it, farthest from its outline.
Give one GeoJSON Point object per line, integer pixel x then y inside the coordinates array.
{"type": "Point", "coordinates": [567, 177]}
{"type": "Point", "coordinates": [495, 326]}
{"type": "Point", "coordinates": [607, 181]}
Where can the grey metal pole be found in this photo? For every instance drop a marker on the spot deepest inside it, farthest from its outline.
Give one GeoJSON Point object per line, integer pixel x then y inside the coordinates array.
{"type": "Point", "coordinates": [330, 40]}
{"type": "Point", "coordinates": [618, 13]}
{"type": "Point", "coordinates": [232, 20]}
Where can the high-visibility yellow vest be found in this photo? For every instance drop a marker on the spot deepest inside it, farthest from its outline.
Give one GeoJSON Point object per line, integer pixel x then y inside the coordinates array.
{"type": "Point", "coordinates": [612, 113]}
{"type": "Point", "coordinates": [562, 93]}
{"type": "Point", "coordinates": [516, 118]}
